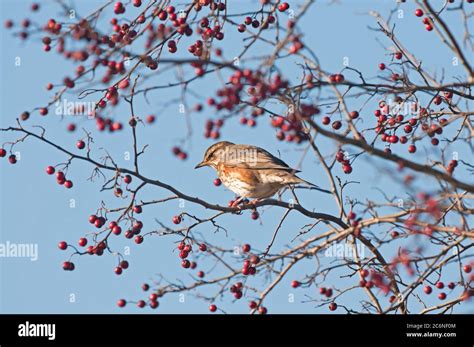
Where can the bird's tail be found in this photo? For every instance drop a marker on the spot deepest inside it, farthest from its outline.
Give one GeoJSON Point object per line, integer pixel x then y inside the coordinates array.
{"type": "Point", "coordinates": [310, 185]}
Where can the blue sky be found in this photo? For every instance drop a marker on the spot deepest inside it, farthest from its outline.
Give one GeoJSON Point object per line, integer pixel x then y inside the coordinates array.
{"type": "Point", "coordinates": [34, 209]}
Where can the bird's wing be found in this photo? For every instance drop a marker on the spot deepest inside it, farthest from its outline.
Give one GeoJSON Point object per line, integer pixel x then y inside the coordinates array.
{"type": "Point", "coordinates": [253, 157]}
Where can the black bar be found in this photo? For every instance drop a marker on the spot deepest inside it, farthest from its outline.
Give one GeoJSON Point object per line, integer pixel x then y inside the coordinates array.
{"type": "Point", "coordinates": [183, 330]}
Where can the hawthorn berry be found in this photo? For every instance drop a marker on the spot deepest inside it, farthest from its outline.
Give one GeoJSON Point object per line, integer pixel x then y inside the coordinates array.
{"type": "Point", "coordinates": [283, 7]}
{"type": "Point", "coordinates": [177, 219]}
{"type": "Point", "coordinates": [185, 263]}
{"type": "Point", "coordinates": [124, 264]}
{"type": "Point", "coordinates": [62, 245]}
{"type": "Point", "coordinates": [127, 179]}
{"type": "Point", "coordinates": [213, 308]}
{"type": "Point", "coordinates": [116, 230]}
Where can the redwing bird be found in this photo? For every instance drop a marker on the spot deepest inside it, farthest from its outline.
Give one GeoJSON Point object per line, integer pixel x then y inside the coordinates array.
{"type": "Point", "coordinates": [250, 171]}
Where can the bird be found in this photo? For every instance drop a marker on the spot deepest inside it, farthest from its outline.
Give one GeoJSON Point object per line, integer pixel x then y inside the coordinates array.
{"type": "Point", "coordinates": [250, 171]}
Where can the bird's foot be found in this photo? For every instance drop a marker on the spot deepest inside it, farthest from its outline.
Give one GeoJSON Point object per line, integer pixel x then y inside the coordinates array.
{"type": "Point", "coordinates": [236, 202]}
{"type": "Point", "coordinates": [255, 201]}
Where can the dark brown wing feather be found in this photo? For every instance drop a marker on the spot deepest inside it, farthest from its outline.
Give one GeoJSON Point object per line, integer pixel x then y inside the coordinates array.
{"type": "Point", "coordinates": [245, 156]}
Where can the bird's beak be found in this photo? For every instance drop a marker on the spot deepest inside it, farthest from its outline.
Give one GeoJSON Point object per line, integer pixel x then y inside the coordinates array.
{"type": "Point", "coordinates": [201, 164]}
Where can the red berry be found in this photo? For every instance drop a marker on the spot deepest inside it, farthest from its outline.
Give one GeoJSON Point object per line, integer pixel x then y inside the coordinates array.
{"type": "Point", "coordinates": [262, 310]}
{"type": "Point", "coordinates": [124, 264]}
{"type": "Point", "coordinates": [177, 219]}
{"type": "Point", "coordinates": [62, 245]}
{"type": "Point", "coordinates": [141, 303]}
{"type": "Point", "coordinates": [118, 270]}
{"type": "Point", "coordinates": [68, 266]}
{"type": "Point", "coordinates": [82, 241]}
{"type": "Point", "coordinates": [246, 248]}
{"type": "Point", "coordinates": [138, 239]}
{"type": "Point", "coordinates": [186, 264]}
{"type": "Point", "coordinates": [68, 184]}
{"type": "Point", "coordinates": [295, 284]}
{"type": "Point", "coordinates": [127, 179]}
{"type": "Point", "coordinates": [252, 305]}
{"type": "Point", "coordinates": [254, 215]}
{"type": "Point", "coordinates": [283, 7]}
{"type": "Point", "coordinates": [50, 170]}
{"type": "Point", "coordinates": [332, 306]}
{"type": "Point", "coordinates": [12, 159]}
{"type": "Point", "coordinates": [137, 209]}
{"type": "Point", "coordinates": [117, 230]}
{"type": "Point", "coordinates": [467, 268]}
{"type": "Point", "coordinates": [213, 308]}
{"type": "Point", "coordinates": [202, 247]}
{"type": "Point", "coordinates": [427, 289]}
{"type": "Point", "coordinates": [336, 125]}
{"type": "Point", "coordinates": [217, 182]}
{"type": "Point", "coordinates": [440, 285]}
{"type": "Point", "coordinates": [121, 303]}
{"type": "Point", "coordinates": [3, 153]}
{"type": "Point", "coordinates": [382, 66]}
{"type": "Point", "coordinates": [80, 144]}
{"type": "Point", "coordinates": [419, 12]}
{"type": "Point", "coordinates": [442, 296]}
{"type": "Point", "coordinates": [150, 119]}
